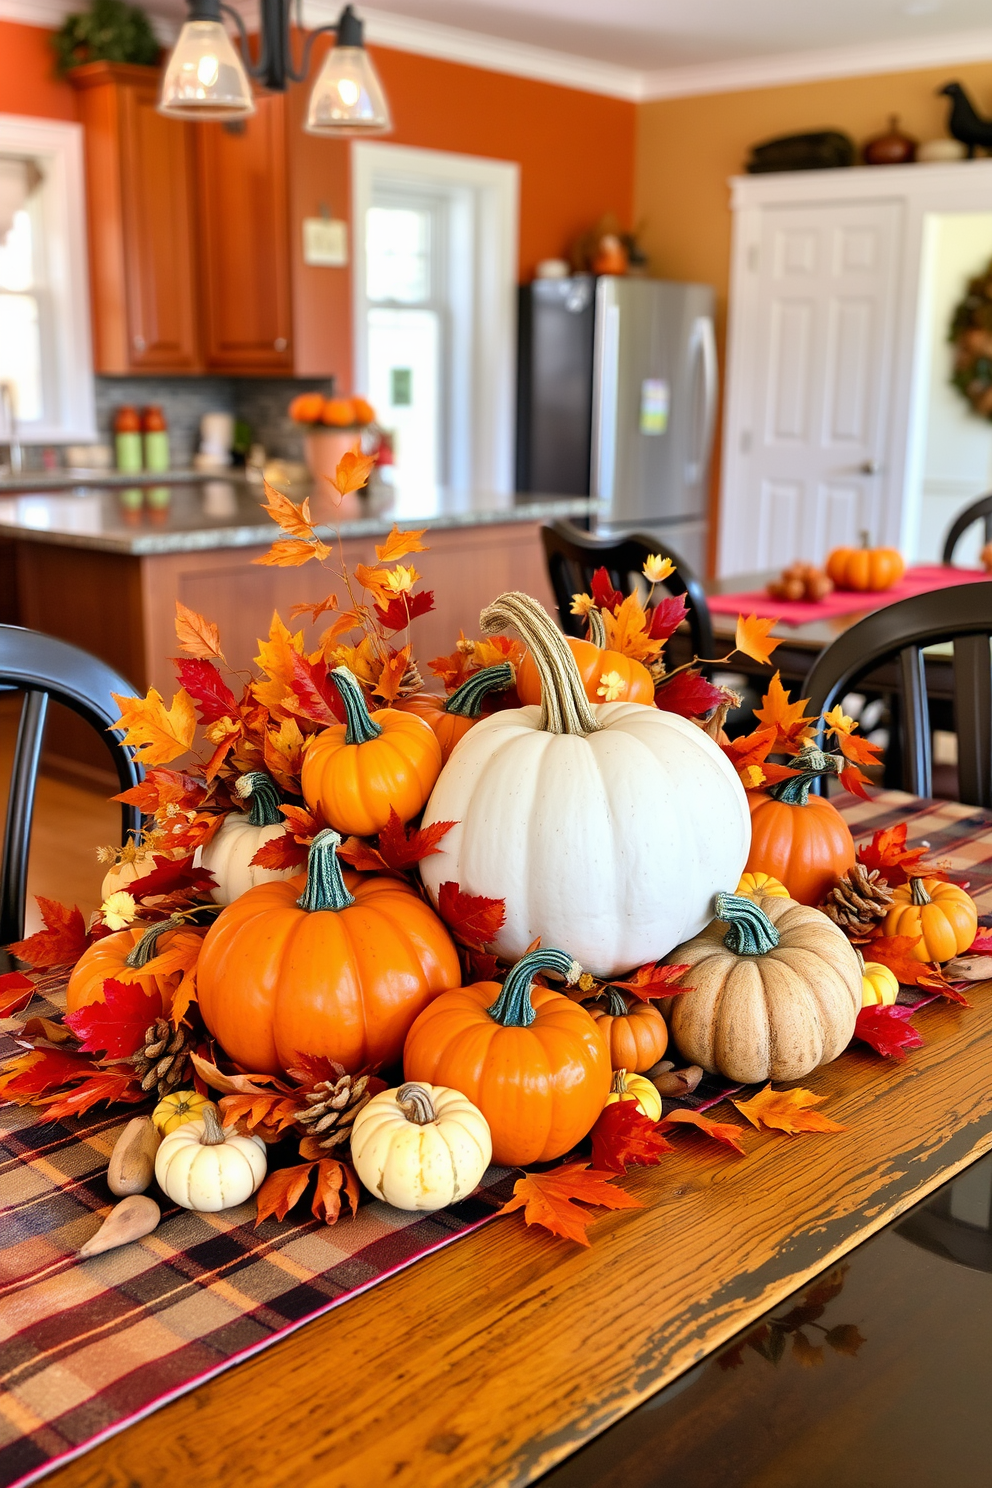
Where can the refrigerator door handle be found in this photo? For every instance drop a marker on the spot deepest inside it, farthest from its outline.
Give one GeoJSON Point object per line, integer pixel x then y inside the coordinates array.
{"type": "Point", "coordinates": [604, 418]}
{"type": "Point", "coordinates": [702, 346]}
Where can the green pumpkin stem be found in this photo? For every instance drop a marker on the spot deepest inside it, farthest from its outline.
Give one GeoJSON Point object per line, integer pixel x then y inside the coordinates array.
{"type": "Point", "coordinates": [616, 1003]}
{"type": "Point", "coordinates": [466, 701]}
{"type": "Point", "coordinates": [597, 629]}
{"type": "Point", "coordinates": [565, 709]}
{"type": "Point", "coordinates": [147, 947]}
{"type": "Point", "coordinates": [513, 1007]}
{"type": "Point", "coordinates": [325, 887]}
{"type": "Point", "coordinates": [259, 790]}
{"type": "Point", "coordinates": [751, 932]}
{"type": "Point", "coordinates": [919, 892]}
{"type": "Point", "coordinates": [361, 726]}
{"type": "Point", "coordinates": [811, 763]}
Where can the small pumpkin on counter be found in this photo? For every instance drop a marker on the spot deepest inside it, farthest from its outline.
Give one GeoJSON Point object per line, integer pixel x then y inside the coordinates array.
{"type": "Point", "coordinates": [178, 1107]}
{"type": "Point", "coordinates": [420, 1147]}
{"type": "Point", "coordinates": [356, 772]}
{"type": "Point", "coordinates": [532, 1061]}
{"type": "Point", "coordinates": [799, 838]}
{"type": "Point", "coordinates": [328, 964]}
{"type": "Point", "coordinates": [202, 1167]}
{"type": "Point", "coordinates": [942, 914]}
{"type": "Point", "coordinates": [774, 991]}
{"type": "Point", "coordinates": [754, 885]}
{"type": "Point", "coordinates": [879, 985]}
{"type": "Point", "coordinates": [630, 1087]}
{"type": "Point", "coordinates": [229, 852]}
{"type": "Point", "coordinates": [453, 716]}
{"type": "Point", "coordinates": [635, 1031]}
{"type": "Point", "coordinates": [865, 569]}
{"type": "Point", "coordinates": [105, 959]}
{"type": "Point", "coordinates": [595, 660]}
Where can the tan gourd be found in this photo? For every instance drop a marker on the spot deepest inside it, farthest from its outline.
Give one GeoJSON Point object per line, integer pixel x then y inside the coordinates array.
{"type": "Point", "coordinates": [775, 991]}
{"type": "Point", "coordinates": [202, 1167]}
{"type": "Point", "coordinates": [132, 1162]}
{"type": "Point", "coordinates": [131, 1219]}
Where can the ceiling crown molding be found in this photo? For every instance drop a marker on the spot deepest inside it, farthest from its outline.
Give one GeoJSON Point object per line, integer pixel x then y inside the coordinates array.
{"type": "Point", "coordinates": [51, 13]}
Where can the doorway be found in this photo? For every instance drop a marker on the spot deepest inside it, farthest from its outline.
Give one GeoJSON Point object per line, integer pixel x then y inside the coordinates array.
{"type": "Point", "coordinates": [435, 284]}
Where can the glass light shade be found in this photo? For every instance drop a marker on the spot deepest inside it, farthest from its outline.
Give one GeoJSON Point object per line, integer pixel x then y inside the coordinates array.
{"type": "Point", "coordinates": [347, 98]}
{"type": "Point", "coordinates": [205, 78]}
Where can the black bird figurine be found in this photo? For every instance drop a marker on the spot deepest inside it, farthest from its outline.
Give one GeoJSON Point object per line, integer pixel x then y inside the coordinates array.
{"type": "Point", "coordinates": [964, 123]}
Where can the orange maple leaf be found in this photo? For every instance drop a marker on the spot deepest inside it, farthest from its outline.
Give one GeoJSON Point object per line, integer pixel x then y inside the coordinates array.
{"type": "Point", "coordinates": [787, 1111]}
{"type": "Point", "coordinates": [315, 610]}
{"type": "Point", "coordinates": [196, 636]}
{"type": "Point", "coordinates": [552, 1199]}
{"type": "Point", "coordinates": [392, 674]}
{"type": "Point", "coordinates": [398, 544]}
{"type": "Point", "coordinates": [291, 552]}
{"type": "Point", "coordinates": [627, 631]}
{"type": "Point", "coordinates": [787, 718]}
{"type": "Point", "coordinates": [753, 639]}
{"type": "Point", "coordinates": [720, 1131]}
{"type": "Point", "coordinates": [157, 734]}
{"type": "Point", "coordinates": [62, 941]}
{"type": "Point", "coordinates": [269, 1108]}
{"type": "Point", "coordinates": [353, 471]}
{"type": "Point", "coordinates": [294, 520]}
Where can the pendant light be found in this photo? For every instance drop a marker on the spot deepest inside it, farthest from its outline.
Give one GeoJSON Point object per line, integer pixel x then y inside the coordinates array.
{"type": "Point", "coordinates": [206, 78]}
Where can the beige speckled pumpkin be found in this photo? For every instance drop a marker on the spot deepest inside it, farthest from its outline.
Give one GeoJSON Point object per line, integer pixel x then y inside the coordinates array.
{"type": "Point", "coordinates": [775, 991]}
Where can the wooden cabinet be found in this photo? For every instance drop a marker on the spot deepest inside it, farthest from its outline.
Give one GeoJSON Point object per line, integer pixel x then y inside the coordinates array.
{"type": "Point", "coordinates": [244, 227]}
{"type": "Point", "coordinates": [141, 212]}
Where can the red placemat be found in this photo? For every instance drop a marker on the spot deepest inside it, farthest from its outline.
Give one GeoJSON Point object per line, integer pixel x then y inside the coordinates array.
{"type": "Point", "coordinates": [918, 580]}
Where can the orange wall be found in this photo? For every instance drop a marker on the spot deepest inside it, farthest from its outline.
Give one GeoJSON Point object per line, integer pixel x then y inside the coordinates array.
{"type": "Point", "coordinates": [688, 147]}
{"type": "Point", "coordinates": [27, 76]}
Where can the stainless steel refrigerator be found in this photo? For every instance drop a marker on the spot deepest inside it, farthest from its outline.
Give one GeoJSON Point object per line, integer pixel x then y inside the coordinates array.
{"type": "Point", "coordinates": [624, 377]}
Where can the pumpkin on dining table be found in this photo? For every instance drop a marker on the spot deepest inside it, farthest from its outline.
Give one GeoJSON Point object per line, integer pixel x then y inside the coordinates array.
{"type": "Point", "coordinates": [420, 1147]}
{"type": "Point", "coordinates": [452, 717]}
{"type": "Point", "coordinates": [121, 951]}
{"type": "Point", "coordinates": [533, 1062]}
{"type": "Point", "coordinates": [604, 827]}
{"type": "Point", "coordinates": [595, 661]}
{"type": "Point", "coordinates": [879, 985]}
{"type": "Point", "coordinates": [799, 838]}
{"type": "Point", "coordinates": [201, 1166]}
{"type": "Point", "coordinates": [635, 1031]}
{"type": "Point", "coordinates": [943, 915]}
{"type": "Point", "coordinates": [865, 569]}
{"type": "Point", "coordinates": [339, 970]}
{"type": "Point", "coordinates": [774, 991]}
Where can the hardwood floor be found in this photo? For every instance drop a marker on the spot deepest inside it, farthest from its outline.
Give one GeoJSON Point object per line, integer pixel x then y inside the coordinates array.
{"type": "Point", "coordinates": [70, 823]}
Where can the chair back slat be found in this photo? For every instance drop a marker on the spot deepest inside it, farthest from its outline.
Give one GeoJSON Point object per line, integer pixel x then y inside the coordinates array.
{"type": "Point", "coordinates": [20, 814]}
{"type": "Point", "coordinates": [973, 717]}
{"type": "Point", "coordinates": [917, 744]}
{"type": "Point", "coordinates": [980, 510]}
{"type": "Point", "coordinates": [573, 556]}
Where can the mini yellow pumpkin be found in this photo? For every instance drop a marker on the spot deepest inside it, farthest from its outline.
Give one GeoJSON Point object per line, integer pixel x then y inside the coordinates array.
{"type": "Point", "coordinates": [627, 1087]}
{"type": "Point", "coordinates": [178, 1107]}
{"type": "Point", "coordinates": [879, 985]}
{"type": "Point", "coordinates": [753, 885]}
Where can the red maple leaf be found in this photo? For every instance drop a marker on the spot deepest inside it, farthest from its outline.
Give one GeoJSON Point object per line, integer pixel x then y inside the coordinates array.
{"type": "Point", "coordinates": [115, 1027]}
{"type": "Point", "coordinates": [855, 780]}
{"type": "Point", "coordinates": [16, 991]}
{"type": "Point", "coordinates": [28, 1076]}
{"type": "Point", "coordinates": [403, 608]}
{"type": "Point", "coordinates": [280, 853]}
{"type": "Point", "coordinates": [720, 1131]}
{"type": "Point", "coordinates": [688, 694]}
{"type": "Point", "coordinates": [472, 918]}
{"type": "Point", "coordinates": [62, 941]}
{"type": "Point", "coordinates": [887, 851]}
{"type": "Point", "coordinates": [401, 848]}
{"type": "Point", "coordinates": [112, 1083]}
{"type": "Point", "coordinates": [887, 1030]}
{"type": "Point", "coordinates": [603, 593]}
{"type": "Point", "coordinates": [980, 946]}
{"type": "Point", "coordinates": [623, 1136]}
{"type": "Point", "coordinates": [894, 952]}
{"type": "Point", "coordinates": [171, 876]}
{"type": "Point", "coordinates": [653, 981]}
{"type": "Point", "coordinates": [361, 855]}
{"type": "Point", "coordinates": [552, 1199]}
{"type": "Point", "coordinates": [207, 688]}
{"type": "Point", "coordinates": [666, 617]}
{"type": "Point", "coordinates": [314, 695]}
{"type": "Point", "coordinates": [162, 787]}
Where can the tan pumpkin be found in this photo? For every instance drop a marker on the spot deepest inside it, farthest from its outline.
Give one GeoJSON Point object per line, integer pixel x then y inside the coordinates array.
{"type": "Point", "coordinates": [775, 991]}
{"type": "Point", "coordinates": [635, 1030]}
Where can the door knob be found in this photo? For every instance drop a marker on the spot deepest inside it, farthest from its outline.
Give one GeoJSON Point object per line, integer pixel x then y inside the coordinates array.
{"type": "Point", "coordinates": [280, 343]}
{"type": "Point", "coordinates": [870, 467]}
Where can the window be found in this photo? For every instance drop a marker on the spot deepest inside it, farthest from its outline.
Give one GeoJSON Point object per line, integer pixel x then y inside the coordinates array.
{"type": "Point", "coordinates": [44, 308]}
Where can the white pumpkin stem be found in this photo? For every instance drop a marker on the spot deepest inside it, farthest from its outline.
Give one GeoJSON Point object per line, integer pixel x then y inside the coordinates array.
{"type": "Point", "coordinates": [361, 727]}
{"type": "Point", "coordinates": [325, 886]}
{"type": "Point", "coordinates": [513, 1007]}
{"type": "Point", "coordinates": [259, 790]}
{"type": "Point", "coordinates": [140, 954]}
{"type": "Point", "coordinates": [214, 1134]}
{"type": "Point", "coordinates": [416, 1104]}
{"type": "Point", "coordinates": [466, 701]}
{"type": "Point", "coordinates": [597, 629]}
{"type": "Point", "coordinates": [919, 892]}
{"type": "Point", "coordinates": [565, 709]}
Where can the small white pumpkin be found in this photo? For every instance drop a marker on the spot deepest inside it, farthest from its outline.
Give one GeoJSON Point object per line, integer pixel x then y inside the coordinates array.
{"type": "Point", "coordinates": [229, 852]}
{"type": "Point", "coordinates": [203, 1167]}
{"type": "Point", "coordinates": [134, 863]}
{"type": "Point", "coordinates": [421, 1146]}
{"type": "Point", "coordinates": [604, 827]}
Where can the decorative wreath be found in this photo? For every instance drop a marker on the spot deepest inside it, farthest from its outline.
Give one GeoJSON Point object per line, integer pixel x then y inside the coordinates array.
{"type": "Point", "coordinates": [971, 336]}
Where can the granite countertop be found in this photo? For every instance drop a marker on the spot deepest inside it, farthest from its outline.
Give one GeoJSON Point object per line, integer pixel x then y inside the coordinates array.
{"type": "Point", "coordinates": [225, 512]}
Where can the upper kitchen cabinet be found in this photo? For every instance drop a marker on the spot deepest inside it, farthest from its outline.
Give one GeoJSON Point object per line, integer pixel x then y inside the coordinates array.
{"type": "Point", "coordinates": [244, 233]}
{"type": "Point", "coordinates": [141, 212]}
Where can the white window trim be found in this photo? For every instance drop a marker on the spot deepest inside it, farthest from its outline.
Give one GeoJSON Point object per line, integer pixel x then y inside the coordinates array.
{"type": "Point", "coordinates": [59, 148]}
{"type": "Point", "coordinates": [496, 184]}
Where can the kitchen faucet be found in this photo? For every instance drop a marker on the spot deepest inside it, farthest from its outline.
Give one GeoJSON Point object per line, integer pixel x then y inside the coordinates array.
{"type": "Point", "coordinates": [8, 427]}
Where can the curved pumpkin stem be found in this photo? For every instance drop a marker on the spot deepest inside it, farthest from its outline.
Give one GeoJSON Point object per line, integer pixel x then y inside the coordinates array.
{"type": "Point", "coordinates": [597, 629]}
{"type": "Point", "coordinates": [751, 932]}
{"type": "Point", "coordinates": [811, 763]}
{"type": "Point", "coordinates": [416, 1104]}
{"type": "Point", "coordinates": [564, 706]}
{"type": "Point", "coordinates": [616, 1003]}
{"type": "Point", "coordinates": [361, 727]}
{"type": "Point", "coordinates": [325, 887]}
{"type": "Point", "coordinates": [140, 954]}
{"type": "Point", "coordinates": [213, 1133]}
{"type": "Point", "coordinates": [513, 1007]}
{"type": "Point", "coordinates": [619, 1086]}
{"type": "Point", "coordinates": [919, 892]}
{"type": "Point", "coordinates": [259, 790]}
{"type": "Point", "coordinates": [466, 701]}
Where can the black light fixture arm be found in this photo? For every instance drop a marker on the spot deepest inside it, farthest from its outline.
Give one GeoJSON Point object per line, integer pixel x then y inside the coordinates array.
{"type": "Point", "coordinates": [274, 67]}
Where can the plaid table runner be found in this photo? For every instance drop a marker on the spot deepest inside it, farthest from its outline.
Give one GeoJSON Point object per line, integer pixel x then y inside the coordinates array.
{"type": "Point", "coordinates": [86, 1347]}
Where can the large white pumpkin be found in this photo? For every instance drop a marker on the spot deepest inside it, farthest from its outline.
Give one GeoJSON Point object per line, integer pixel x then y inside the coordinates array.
{"type": "Point", "coordinates": [229, 852]}
{"type": "Point", "coordinates": [605, 827]}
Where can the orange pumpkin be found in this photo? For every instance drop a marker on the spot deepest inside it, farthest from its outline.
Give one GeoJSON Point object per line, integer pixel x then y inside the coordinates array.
{"type": "Point", "coordinates": [308, 408]}
{"type": "Point", "coordinates": [534, 1062]}
{"type": "Point", "coordinates": [339, 970]}
{"type": "Point", "coordinates": [109, 957]}
{"type": "Point", "coordinates": [635, 1031]}
{"type": "Point", "coordinates": [942, 914]}
{"type": "Point", "coordinates": [865, 569]}
{"type": "Point", "coordinates": [452, 717]}
{"type": "Point", "coordinates": [801, 840]}
{"type": "Point", "coordinates": [355, 772]}
{"type": "Point", "coordinates": [339, 413]}
{"type": "Point", "coordinates": [595, 662]}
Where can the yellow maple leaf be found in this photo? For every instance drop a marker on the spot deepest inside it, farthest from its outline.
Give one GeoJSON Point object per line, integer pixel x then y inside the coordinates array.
{"type": "Point", "coordinates": [158, 735]}
{"type": "Point", "coordinates": [376, 582]}
{"type": "Point", "coordinates": [196, 636]}
{"type": "Point", "coordinates": [752, 637]}
{"type": "Point", "coordinates": [293, 552]}
{"type": "Point", "coordinates": [496, 649]}
{"type": "Point", "coordinates": [626, 631]}
{"type": "Point", "coordinates": [400, 580]}
{"type": "Point", "coordinates": [275, 655]}
{"type": "Point", "coordinates": [788, 1111]}
{"type": "Point", "coordinates": [362, 659]}
{"type": "Point", "coordinates": [353, 471]}
{"type": "Point", "coordinates": [294, 520]}
{"type": "Point", "coordinates": [398, 544]}
{"type": "Point", "coordinates": [838, 721]}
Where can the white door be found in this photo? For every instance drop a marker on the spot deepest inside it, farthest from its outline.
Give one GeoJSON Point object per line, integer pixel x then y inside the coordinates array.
{"type": "Point", "coordinates": [808, 456]}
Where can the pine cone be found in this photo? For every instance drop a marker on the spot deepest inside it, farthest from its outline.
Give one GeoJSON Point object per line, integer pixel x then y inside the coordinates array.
{"type": "Point", "coordinates": [858, 902]}
{"type": "Point", "coordinates": [331, 1108]}
{"type": "Point", "coordinates": [163, 1064]}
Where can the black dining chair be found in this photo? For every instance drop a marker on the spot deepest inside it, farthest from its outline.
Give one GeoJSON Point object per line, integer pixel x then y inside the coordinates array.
{"type": "Point", "coordinates": [978, 511]}
{"type": "Point", "coordinates": [45, 669]}
{"type": "Point", "coordinates": [896, 636]}
{"type": "Point", "coordinates": [574, 555]}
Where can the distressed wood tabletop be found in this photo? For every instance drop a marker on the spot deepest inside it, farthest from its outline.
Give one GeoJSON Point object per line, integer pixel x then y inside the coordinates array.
{"type": "Point", "coordinates": [492, 1360]}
